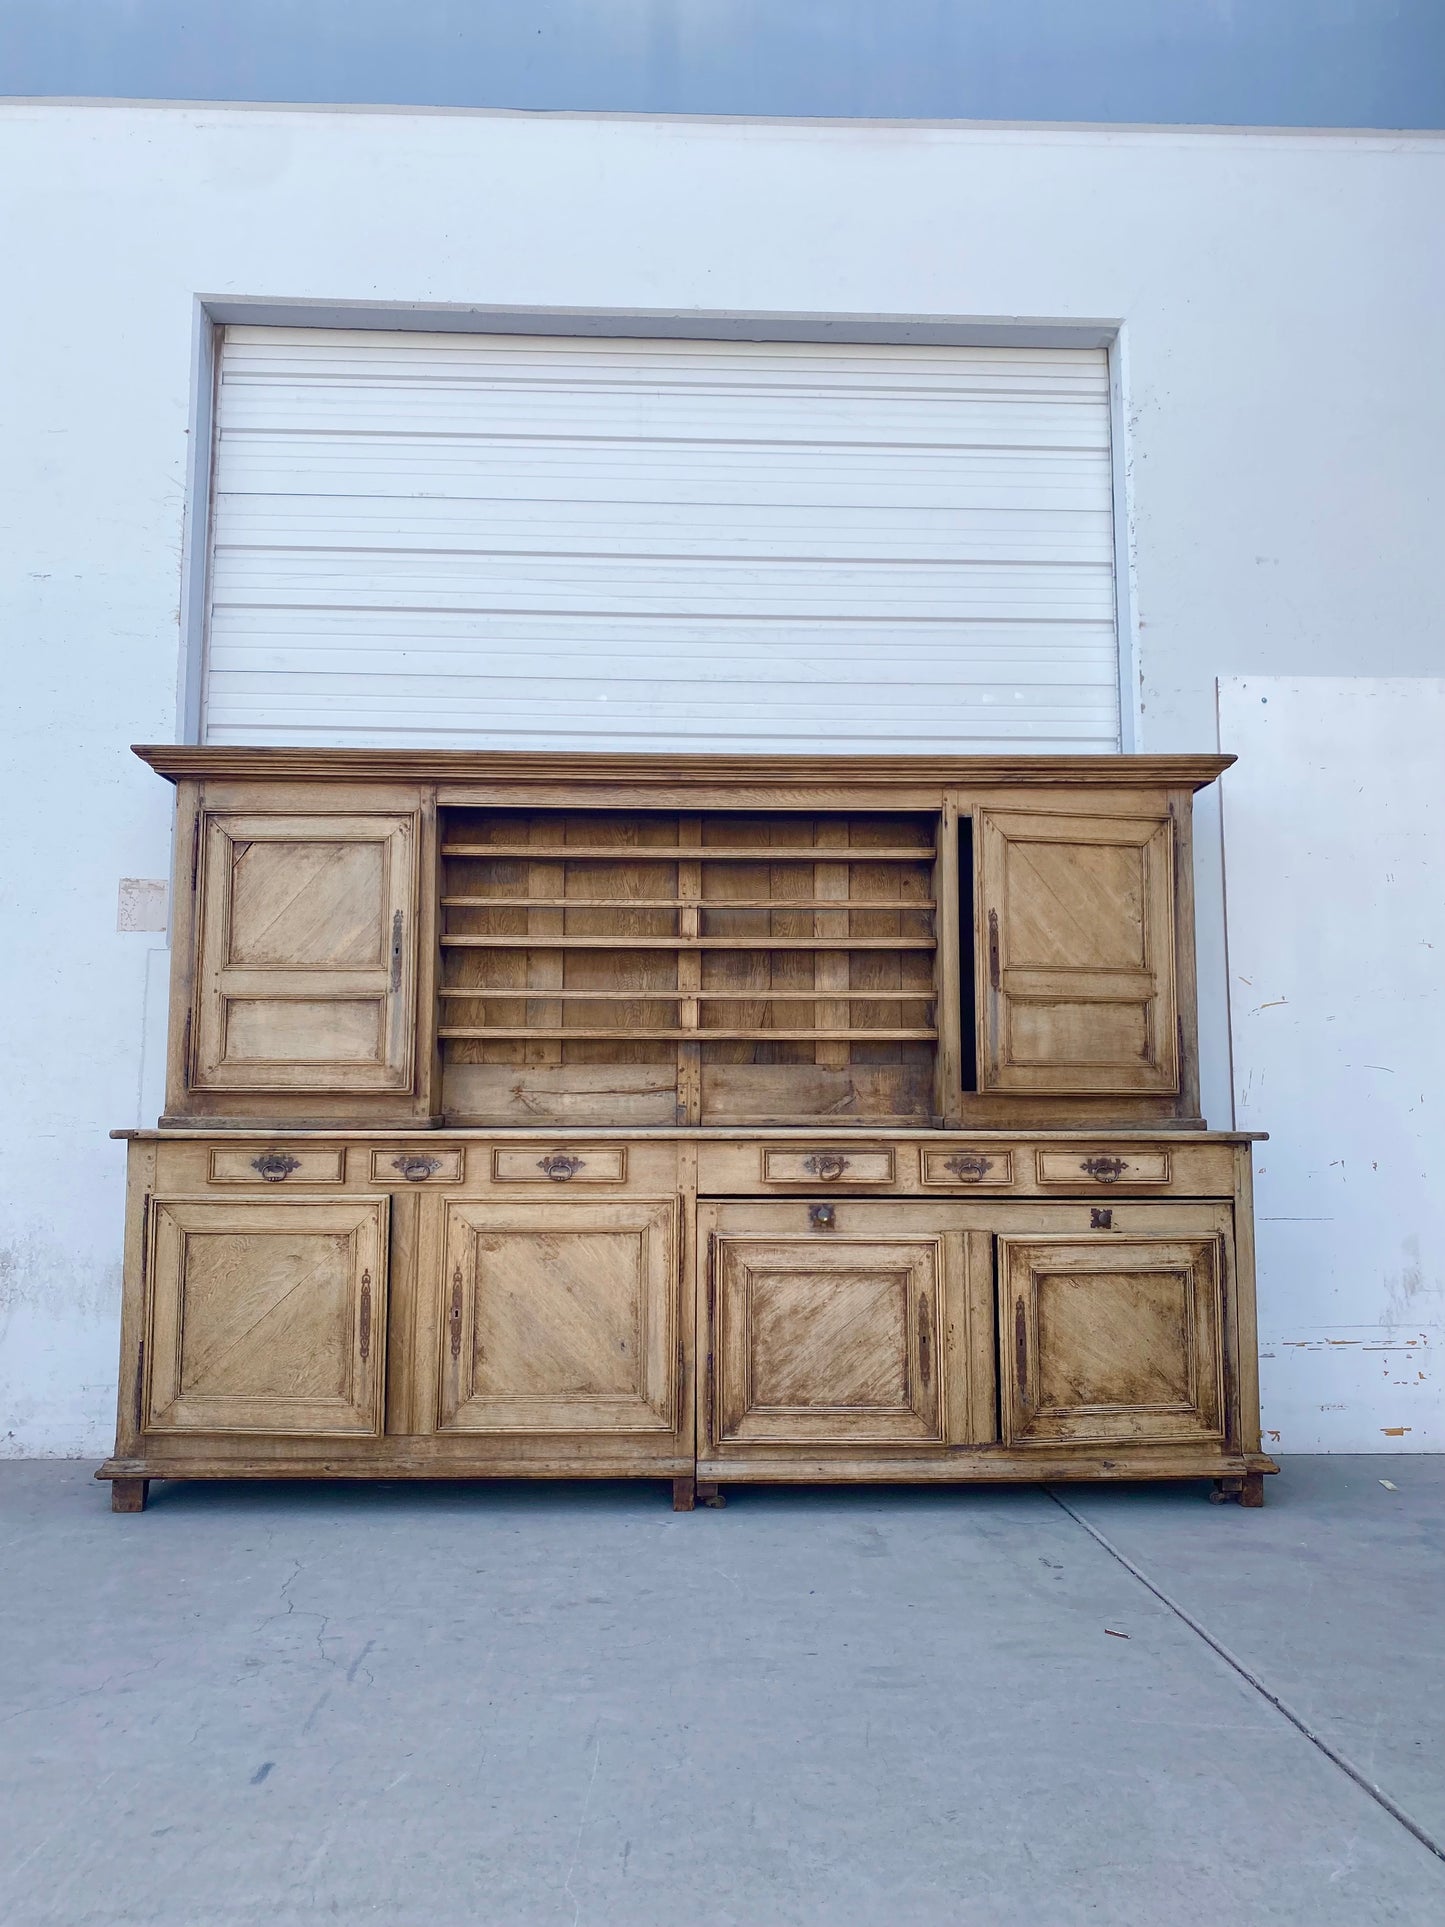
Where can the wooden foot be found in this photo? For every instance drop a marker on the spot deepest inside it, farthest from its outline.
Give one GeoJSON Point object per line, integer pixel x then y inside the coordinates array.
{"type": "Point", "coordinates": [1246, 1490]}
{"type": "Point", "coordinates": [129, 1495]}
{"type": "Point", "coordinates": [708, 1494]}
{"type": "Point", "coordinates": [684, 1494]}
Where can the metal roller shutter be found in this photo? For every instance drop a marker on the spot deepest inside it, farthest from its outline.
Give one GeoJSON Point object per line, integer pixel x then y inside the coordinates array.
{"type": "Point", "coordinates": [530, 542]}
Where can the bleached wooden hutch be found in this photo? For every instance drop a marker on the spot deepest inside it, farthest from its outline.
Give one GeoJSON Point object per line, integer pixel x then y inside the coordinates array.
{"type": "Point", "coordinates": [703, 1119]}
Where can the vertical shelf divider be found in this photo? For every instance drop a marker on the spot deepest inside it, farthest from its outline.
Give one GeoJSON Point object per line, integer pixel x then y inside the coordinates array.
{"type": "Point", "coordinates": [689, 972]}
{"type": "Point", "coordinates": [948, 915]}
{"type": "Point", "coordinates": [831, 968]}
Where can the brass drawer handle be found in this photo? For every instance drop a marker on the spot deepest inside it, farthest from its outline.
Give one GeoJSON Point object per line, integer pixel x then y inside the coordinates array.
{"type": "Point", "coordinates": [826, 1164]}
{"type": "Point", "coordinates": [1106, 1170]}
{"type": "Point", "coordinates": [971, 1169]}
{"type": "Point", "coordinates": [416, 1168]}
{"type": "Point", "coordinates": [275, 1166]}
{"type": "Point", "coordinates": [560, 1167]}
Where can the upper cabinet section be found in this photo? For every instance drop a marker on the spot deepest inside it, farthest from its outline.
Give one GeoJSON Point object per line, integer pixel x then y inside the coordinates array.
{"type": "Point", "coordinates": [568, 941]}
{"type": "Point", "coordinates": [1076, 954]}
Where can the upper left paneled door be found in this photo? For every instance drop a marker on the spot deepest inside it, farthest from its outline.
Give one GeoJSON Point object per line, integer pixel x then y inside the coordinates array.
{"type": "Point", "coordinates": [305, 972]}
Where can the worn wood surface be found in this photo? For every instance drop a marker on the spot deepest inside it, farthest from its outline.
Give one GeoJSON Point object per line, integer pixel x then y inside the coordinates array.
{"type": "Point", "coordinates": [556, 1317]}
{"type": "Point", "coordinates": [800, 1118]}
{"type": "Point", "coordinates": [1114, 1341]}
{"type": "Point", "coordinates": [266, 1316]}
{"type": "Point", "coordinates": [602, 770]}
{"type": "Point", "coordinates": [1075, 954]}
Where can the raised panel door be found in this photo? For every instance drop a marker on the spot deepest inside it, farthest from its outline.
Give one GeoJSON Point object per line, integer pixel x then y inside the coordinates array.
{"type": "Point", "coordinates": [266, 1316]}
{"type": "Point", "coordinates": [1076, 979]}
{"type": "Point", "coordinates": [305, 972]}
{"type": "Point", "coordinates": [1114, 1341]}
{"type": "Point", "coordinates": [847, 1326]}
{"type": "Point", "coordinates": [559, 1317]}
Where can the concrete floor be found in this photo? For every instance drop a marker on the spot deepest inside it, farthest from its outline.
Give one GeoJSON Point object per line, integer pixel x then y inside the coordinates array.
{"type": "Point", "coordinates": [460, 1707]}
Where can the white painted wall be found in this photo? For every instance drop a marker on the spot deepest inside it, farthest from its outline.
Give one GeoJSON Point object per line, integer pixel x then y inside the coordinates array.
{"type": "Point", "coordinates": [1284, 402]}
{"type": "Point", "coordinates": [1334, 823]}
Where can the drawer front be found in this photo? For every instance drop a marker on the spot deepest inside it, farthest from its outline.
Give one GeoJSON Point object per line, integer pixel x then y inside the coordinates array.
{"type": "Point", "coordinates": [276, 1164]}
{"type": "Point", "coordinates": [560, 1164]}
{"type": "Point", "coordinates": [418, 1165]}
{"type": "Point", "coordinates": [828, 1165]}
{"type": "Point", "coordinates": [963, 1166]}
{"type": "Point", "coordinates": [1088, 1167]}
{"type": "Point", "coordinates": [839, 1218]}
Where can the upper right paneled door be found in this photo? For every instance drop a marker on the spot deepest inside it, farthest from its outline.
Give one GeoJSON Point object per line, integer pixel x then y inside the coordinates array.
{"type": "Point", "coordinates": [1076, 990]}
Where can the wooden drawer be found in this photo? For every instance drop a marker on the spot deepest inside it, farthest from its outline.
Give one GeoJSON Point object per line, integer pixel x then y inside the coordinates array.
{"type": "Point", "coordinates": [832, 1165]}
{"type": "Point", "coordinates": [731, 1168]}
{"type": "Point", "coordinates": [275, 1164]}
{"type": "Point", "coordinates": [1102, 1167]}
{"type": "Point", "coordinates": [418, 1164]}
{"type": "Point", "coordinates": [961, 1165]}
{"type": "Point", "coordinates": [560, 1164]}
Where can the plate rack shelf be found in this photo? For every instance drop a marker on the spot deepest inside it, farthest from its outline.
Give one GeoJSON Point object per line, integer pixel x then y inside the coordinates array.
{"type": "Point", "coordinates": [597, 938]}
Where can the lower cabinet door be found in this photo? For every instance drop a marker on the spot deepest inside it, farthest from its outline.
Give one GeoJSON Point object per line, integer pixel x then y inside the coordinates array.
{"type": "Point", "coordinates": [266, 1317]}
{"type": "Point", "coordinates": [862, 1328]}
{"type": "Point", "coordinates": [560, 1317]}
{"type": "Point", "coordinates": [1115, 1341]}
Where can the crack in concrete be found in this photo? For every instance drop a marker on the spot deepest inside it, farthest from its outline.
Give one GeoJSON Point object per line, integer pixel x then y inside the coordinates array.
{"type": "Point", "coordinates": [1332, 1753]}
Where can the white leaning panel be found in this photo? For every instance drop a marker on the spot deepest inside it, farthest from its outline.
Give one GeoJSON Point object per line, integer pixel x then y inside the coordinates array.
{"type": "Point", "coordinates": [1334, 835]}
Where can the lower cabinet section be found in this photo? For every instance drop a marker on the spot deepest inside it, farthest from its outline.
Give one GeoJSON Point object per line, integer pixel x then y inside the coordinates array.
{"type": "Point", "coordinates": [559, 1318]}
{"type": "Point", "coordinates": [470, 1325]}
{"type": "Point", "coordinates": [266, 1317]}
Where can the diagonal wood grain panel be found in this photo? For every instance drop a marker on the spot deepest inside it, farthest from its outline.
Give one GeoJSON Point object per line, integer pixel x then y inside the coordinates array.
{"type": "Point", "coordinates": [1122, 1340]}
{"type": "Point", "coordinates": [1115, 1341]}
{"type": "Point", "coordinates": [559, 1314]}
{"type": "Point", "coordinates": [306, 966]}
{"type": "Point", "coordinates": [267, 1316]}
{"type": "Point", "coordinates": [1075, 979]}
{"type": "Point", "coordinates": [295, 903]}
{"type": "Point", "coordinates": [829, 1340]}
{"type": "Point", "coordinates": [1076, 906]}
{"type": "Point", "coordinates": [558, 1317]}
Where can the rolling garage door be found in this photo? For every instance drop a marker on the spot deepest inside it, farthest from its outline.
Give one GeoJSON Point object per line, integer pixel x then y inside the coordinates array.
{"type": "Point", "coordinates": [499, 541]}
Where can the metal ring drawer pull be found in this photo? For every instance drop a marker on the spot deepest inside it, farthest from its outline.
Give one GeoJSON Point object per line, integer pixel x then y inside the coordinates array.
{"type": "Point", "coordinates": [970, 1168]}
{"type": "Point", "coordinates": [275, 1166]}
{"type": "Point", "coordinates": [1106, 1170]}
{"type": "Point", "coordinates": [417, 1167]}
{"type": "Point", "coordinates": [560, 1167]}
{"type": "Point", "coordinates": [826, 1164]}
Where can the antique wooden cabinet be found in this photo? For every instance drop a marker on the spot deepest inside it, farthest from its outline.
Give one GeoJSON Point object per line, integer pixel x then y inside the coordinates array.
{"type": "Point", "coordinates": [702, 1119]}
